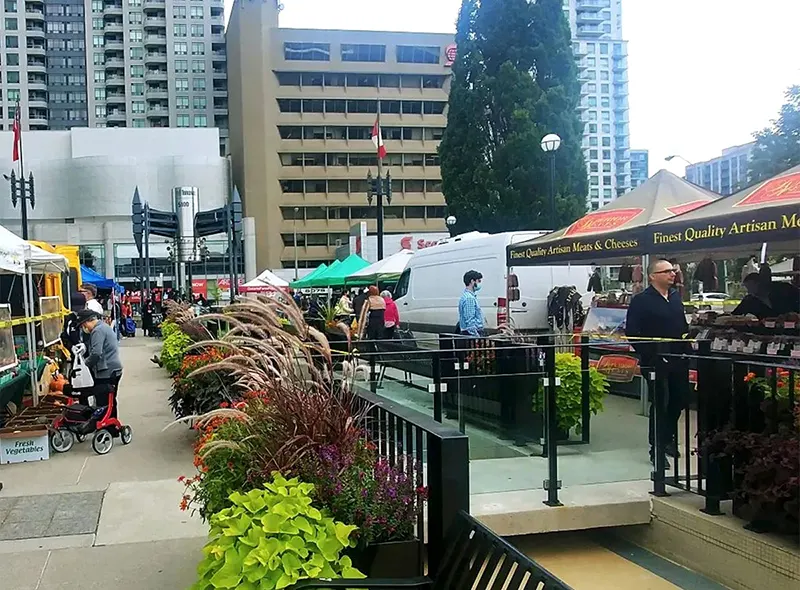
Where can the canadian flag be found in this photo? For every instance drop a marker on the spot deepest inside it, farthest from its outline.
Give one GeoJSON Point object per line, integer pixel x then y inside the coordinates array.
{"type": "Point", "coordinates": [17, 129]}
{"type": "Point", "coordinates": [377, 139]}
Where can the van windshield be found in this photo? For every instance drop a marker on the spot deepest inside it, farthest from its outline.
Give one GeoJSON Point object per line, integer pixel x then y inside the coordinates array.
{"type": "Point", "coordinates": [401, 289]}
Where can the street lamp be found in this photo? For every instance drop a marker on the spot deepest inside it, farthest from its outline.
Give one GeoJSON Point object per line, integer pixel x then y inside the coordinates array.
{"type": "Point", "coordinates": [378, 188]}
{"type": "Point", "coordinates": [550, 144]}
{"type": "Point", "coordinates": [451, 223]}
{"type": "Point", "coordinates": [673, 156]}
{"type": "Point", "coordinates": [23, 191]}
{"type": "Point", "coordinates": [296, 210]}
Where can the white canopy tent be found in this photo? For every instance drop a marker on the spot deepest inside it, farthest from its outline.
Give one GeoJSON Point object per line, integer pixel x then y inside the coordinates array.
{"type": "Point", "coordinates": [269, 278]}
{"type": "Point", "coordinates": [384, 270]}
{"type": "Point", "coordinates": [266, 282]}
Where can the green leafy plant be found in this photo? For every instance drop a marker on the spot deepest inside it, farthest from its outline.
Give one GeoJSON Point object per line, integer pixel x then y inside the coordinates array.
{"type": "Point", "coordinates": [568, 393]}
{"type": "Point", "coordinates": [176, 343]}
{"type": "Point", "coordinates": [272, 537]}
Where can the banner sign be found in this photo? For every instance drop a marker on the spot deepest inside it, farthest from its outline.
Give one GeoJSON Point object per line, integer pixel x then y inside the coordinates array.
{"type": "Point", "coordinates": [577, 250]}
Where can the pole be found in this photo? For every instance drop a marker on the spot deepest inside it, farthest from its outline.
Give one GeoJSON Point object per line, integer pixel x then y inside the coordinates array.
{"type": "Point", "coordinates": [553, 190]}
{"type": "Point", "coordinates": [295, 245]}
{"type": "Point", "coordinates": [146, 271]}
{"type": "Point", "coordinates": [231, 256]}
{"type": "Point", "coordinates": [22, 181]}
{"type": "Point", "coordinates": [380, 191]}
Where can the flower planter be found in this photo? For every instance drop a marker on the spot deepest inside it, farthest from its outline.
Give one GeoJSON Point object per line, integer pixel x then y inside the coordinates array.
{"type": "Point", "coordinates": [392, 559]}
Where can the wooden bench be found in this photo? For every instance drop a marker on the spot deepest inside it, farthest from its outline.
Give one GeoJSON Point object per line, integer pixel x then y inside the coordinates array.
{"type": "Point", "coordinates": [474, 559]}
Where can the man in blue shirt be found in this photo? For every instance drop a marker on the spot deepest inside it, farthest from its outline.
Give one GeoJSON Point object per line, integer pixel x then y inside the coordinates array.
{"type": "Point", "coordinates": [470, 317]}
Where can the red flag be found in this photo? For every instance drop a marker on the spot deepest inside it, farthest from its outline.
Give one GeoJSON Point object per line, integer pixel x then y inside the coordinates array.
{"type": "Point", "coordinates": [17, 129]}
{"type": "Point", "coordinates": [377, 139]}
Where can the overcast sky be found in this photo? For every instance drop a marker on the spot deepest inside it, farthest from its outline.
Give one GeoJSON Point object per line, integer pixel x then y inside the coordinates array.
{"type": "Point", "coordinates": [704, 74]}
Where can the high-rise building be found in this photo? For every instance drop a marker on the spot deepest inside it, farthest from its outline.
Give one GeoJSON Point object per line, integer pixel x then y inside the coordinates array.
{"type": "Point", "coordinates": [726, 174]}
{"type": "Point", "coordinates": [640, 167]}
{"type": "Point", "coordinates": [602, 57]}
{"type": "Point", "coordinates": [302, 107]}
{"type": "Point", "coordinates": [114, 63]}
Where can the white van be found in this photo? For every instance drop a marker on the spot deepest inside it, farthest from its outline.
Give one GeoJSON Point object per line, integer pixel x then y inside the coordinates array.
{"type": "Point", "coordinates": [428, 291]}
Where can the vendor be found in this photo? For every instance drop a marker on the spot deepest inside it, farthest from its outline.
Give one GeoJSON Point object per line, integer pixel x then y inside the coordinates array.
{"type": "Point", "coordinates": [757, 302]}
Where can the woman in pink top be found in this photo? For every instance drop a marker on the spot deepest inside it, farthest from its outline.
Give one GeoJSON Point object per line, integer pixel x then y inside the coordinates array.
{"type": "Point", "coordinates": [391, 318]}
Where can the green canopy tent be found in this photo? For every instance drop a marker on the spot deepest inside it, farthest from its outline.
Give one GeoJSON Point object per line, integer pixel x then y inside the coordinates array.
{"type": "Point", "coordinates": [384, 271]}
{"type": "Point", "coordinates": [303, 283]}
{"type": "Point", "coordinates": [337, 273]}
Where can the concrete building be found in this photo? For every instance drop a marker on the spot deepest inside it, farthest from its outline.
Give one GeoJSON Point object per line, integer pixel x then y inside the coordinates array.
{"type": "Point", "coordinates": [725, 174]}
{"type": "Point", "coordinates": [302, 107]}
{"type": "Point", "coordinates": [640, 167]}
{"type": "Point", "coordinates": [114, 63]}
{"type": "Point", "coordinates": [602, 57]}
{"type": "Point", "coordinates": [84, 183]}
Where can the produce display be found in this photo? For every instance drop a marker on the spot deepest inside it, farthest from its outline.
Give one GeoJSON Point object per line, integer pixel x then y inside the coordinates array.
{"type": "Point", "coordinates": [778, 336]}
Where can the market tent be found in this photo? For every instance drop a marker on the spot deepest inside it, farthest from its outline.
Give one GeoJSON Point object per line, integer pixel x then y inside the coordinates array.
{"type": "Point", "coordinates": [90, 275]}
{"type": "Point", "coordinates": [12, 256]}
{"type": "Point", "coordinates": [738, 224]}
{"type": "Point", "coordinates": [336, 273]}
{"type": "Point", "coordinates": [266, 282]}
{"type": "Point", "coordinates": [303, 283]}
{"type": "Point", "coordinates": [388, 269]}
{"type": "Point", "coordinates": [615, 231]}
{"type": "Point", "coordinates": [269, 278]}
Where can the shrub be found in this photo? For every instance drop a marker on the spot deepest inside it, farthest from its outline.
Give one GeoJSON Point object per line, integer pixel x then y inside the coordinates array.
{"type": "Point", "coordinates": [194, 394]}
{"type": "Point", "coordinates": [174, 349]}
{"type": "Point", "coordinates": [272, 537]}
{"type": "Point", "coordinates": [568, 394]}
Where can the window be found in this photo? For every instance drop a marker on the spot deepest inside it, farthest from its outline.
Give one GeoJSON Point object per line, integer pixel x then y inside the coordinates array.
{"type": "Point", "coordinates": [336, 106]}
{"type": "Point", "coordinates": [315, 186]}
{"type": "Point", "coordinates": [179, 30]}
{"type": "Point", "coordinates": [97, 6]}
{"type": "Point", "coordinates": [369, 159]}
{"type": "Point", "coordinates": [137, 71]}
{"type": "Point", "coordinates": [100, 76]}
{"type": "Point", "coordinates": [182, 103]}
{"type": "Point", "coordinates": [137, 89]}
{"type": "Point", "coordinates": [432, 160]}
{"type": "Point", "coordinates": [197, 30]}
{"type": "Point", "coordinates": [198, 84]}
{"type": "Point", "coordinates": [198, 66]}
{"type": "Point", "coordinates": [604, 48]}
{"type": "Point", "coordinates": [433, 81]}
{"type": "Point", "coordinates": [182, 120]}
{"type": "Point", "coordinates": [288, 78]}
{"type": "Point", "coordinates": [289, 105]}
{"type": "Point", "coordinates": [359, 133]}
{"type": "Point", "coordinates": [12, 77]}
{"type": "Point", "coordinates": [12, 59]}
{"type": "Point", "coordinates": [362, 80]}
{"type": "Point", "coordinates": [13, 95]}
{"type": "Point", "coordinates": [313, 79]}
{"type": "Point", "coordinates": [433, 107]}
{"type": "Point", "coordinates": [606, 154]}
{"type": "Point", "coordinates": [604, 88]}
{"type": "Point", "coordinates": [199, 102]}
{"type": "Point", "coordinates": [181, 66]}
{"type": "Point", "coordinates": [100, 111]}
{"type": "Point", "coordinates": [307, 51]}
{"type": "Point", "coordinates": [137, 107]}
{"type": "Point", "coordinates": [134, 3]}
{"type": "Point", "coordinates": [412, 107]}
{"type": "Point", "coordinates": [200, 121]}
{"type": "Point", "coordinates": [182, 84]}
{"type": "Point", "coordinates": [606, 128]}
{"type": "Point", "coordinates": [392, 132]}
{"type": "Point", "coordinates": [594, 180]}
{"type": "Point", "coordinates": [98, 41]}
{"type": "Point", "coordinates": [137, 53]}
{"type": "Point", "coordinates": [433, 133]}
{"type": "Point", "coordinates": [136, 36]}
{"type": "Point", "coordinates": [97, 24]}
{"type": "Point", "coordinates": [362, 106]}
{"type": "Point", "coordinates": [196, 12]}
{"type": "Point", "coordinates": [413, 186]}
{"type": "Point", "coordinates": [606, 142]}
{"type": "Point", "coordinates": [338, 186]}
{"type": "Point", "coordinates": [137, 123]}
{"type": "Point", "coordinates": [313, 106]}
{"type": "Point", "coordinates": [591, 48]}
{"type": "Point", "coordinates": [290, 132]}
{"type": "Point", "coordinates": [593, 167]}
{"type": "Point", "coordinates": [179, 12]}
{"type": "Point", "coordinates": [181, 48]}
{"type": "Point", "coordinates": [12, 24]}
{"type": "Point", "coordinates": [411, 54]}
{"type": "Point", "coordinates": [607, 180]}
{"type": "Point", "coordinates": [337, 160]}
{"type": "Point", "coordinates": [198, 48]}
{"type": "Point", "coordinates": [135, 18]}
{"type": "Point", "coordinates": [334, 80]}
{"type": "Point", "coordinates": [413, 159]}
{"type": "Point", "coordinates": [401, 289]}
{"type": "Point", "coordinates": [391, 107]}
{"type": "Point", "coordinates": [363, 52]}
{"type": "Point", "coordinates": [390, 81]}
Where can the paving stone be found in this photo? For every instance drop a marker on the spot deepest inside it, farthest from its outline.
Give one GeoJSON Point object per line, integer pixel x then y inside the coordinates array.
{"type": "Point", "coordinates": [60, 527]}
{"type": "Point", "coordinates": [26, 511]}
{"type": "Point", "coordinates": [23, 530]}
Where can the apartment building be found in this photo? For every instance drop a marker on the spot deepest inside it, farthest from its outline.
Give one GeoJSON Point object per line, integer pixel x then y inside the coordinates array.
{"type": "Point", "coordinates": [302, 107]}
{"type": "Point", "coordinates": [640, 167]}
{"type": "Point", "coordinates": [601, 54]}
{"type": "Point", "coordinates": [114, 63]}
{"type": "Point", "coordinates": [726, 174]}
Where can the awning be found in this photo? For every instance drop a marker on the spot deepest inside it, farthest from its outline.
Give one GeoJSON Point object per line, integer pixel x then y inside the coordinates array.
{"type": "Point", "coordinates": [617, 230]}
{"type": "Point", "coordinates": [335, 274]}
{"type": "Point", "coordinates": [13, 256]}
{"type": "Point", "coordinates": [89, 275]}
{"type": "Point", "coordinates": [737, 224]}
{"type": "Point", "coordinates": [269, 278]}
{"type": "Point", "coordinates": [388, 269]}
{"type": "Point", "coordinates": [303, 283]}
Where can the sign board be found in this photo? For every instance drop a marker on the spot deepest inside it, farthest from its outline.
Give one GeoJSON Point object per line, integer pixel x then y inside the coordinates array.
{"type": "Point", "coordinates": [619, 368]}
{"type": "Point", "coordinates": [450, 54]}
{"type": "Point", "coordinates": [200, 287]}
{"type": "Point", "coordinates": [51, 328]}
{"type": "Point", "coordinates": [186, 201]}
{"type": "Point", "coordinates": [8, 352]}
{"type": "Point", "coordinates": [22, 447]}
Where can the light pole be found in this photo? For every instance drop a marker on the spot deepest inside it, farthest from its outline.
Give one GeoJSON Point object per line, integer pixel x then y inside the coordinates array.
{"type": "Point", "coordinates": [296, 210]}
{"type": "Point", "coordinates": [550, 144]}
{"type": "Point", "coordinates": [23, 191]}
{"type": "Point", "coordinates": [673, 156]}
{"type": "Point", "coordinates": [451, 223]}
{"type": "Point", "coordinates": [377, 188]}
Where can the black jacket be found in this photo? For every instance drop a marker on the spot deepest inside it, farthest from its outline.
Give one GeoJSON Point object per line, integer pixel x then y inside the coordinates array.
{"type": "Point", "coordinates": [652, 316]}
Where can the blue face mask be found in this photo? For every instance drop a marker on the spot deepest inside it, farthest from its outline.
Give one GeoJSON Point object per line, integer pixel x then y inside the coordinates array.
{"type": "Point", "coordinates": [477, 288]}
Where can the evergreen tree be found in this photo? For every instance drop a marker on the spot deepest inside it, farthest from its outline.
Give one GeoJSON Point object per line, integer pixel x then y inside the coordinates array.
{"type": "Point", "coordinates": [514, 81]}
{"type": "Point", "coordinates": [778, 146]}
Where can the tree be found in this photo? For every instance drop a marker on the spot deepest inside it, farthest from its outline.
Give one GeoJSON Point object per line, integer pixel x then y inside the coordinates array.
{"type": "Point", "coordinates": [514, 81]}
{"type": "Point", "coordinates": [778, 146]}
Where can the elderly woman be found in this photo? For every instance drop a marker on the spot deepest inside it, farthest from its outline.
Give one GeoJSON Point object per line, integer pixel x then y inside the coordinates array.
{"type": "Point", "coordinates": [372, 318]}
{"type": "Point", "coordinates": [391, 318]}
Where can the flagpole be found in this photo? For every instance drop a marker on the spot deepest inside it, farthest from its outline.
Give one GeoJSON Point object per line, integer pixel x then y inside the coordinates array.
{"type": "Point", "coordinates": [380, 187]}
{"type": "Point", "coordinates": [22, 180]}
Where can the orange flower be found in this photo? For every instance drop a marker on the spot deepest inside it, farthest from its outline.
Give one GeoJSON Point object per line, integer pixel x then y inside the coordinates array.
{"type": "Point", "coordinates": [749, 377]}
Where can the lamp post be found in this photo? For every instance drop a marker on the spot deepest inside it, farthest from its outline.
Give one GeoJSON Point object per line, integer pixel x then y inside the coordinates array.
{"type": "Point", "coordinates": [673, 156]}
{"type": "Point", "coordinates": [550, 144]}
{"type": "Point", "coordinates": [378, 188]}
{"type": "Point", "coordinates": [296, 210]}
{"type": "Point", "coordinates": [23, 191]}
{"type": "Point", "coordinates": [451, 223]}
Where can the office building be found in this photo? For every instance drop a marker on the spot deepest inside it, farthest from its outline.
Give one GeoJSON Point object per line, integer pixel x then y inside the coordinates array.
{"type": "Point", "coordinates": [85, 179]}
{"type": "Point", "coordinates": [640, 167]}
{"type": "Point", "coordinates": [114, 63]}
{"type": "Point", "coordinates": [726, 174]}
{"type": "Point", "coordinates": [602, 57]}
{"type": "Point", "coordinates": [302, 107]}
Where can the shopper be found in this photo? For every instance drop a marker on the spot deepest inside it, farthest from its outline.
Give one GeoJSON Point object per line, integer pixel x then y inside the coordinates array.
{"type": "Point", "coordinates": [358, 301]}
{"type": "Point", "coordinates": [371, 322]}
{"type": "Point", "coordinates": [90, 292]}
{"type": "Point", "coordinates": [657, 312]}
{"type": "Point", "coordinates": [391, 319]}
{"type": "Point", "coordinates": [470, 317]}
{"type": "Point", "coordinates": [103, 355]}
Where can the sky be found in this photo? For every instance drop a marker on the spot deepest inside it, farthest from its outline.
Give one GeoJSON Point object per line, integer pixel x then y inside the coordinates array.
{"type": "Point", "coordinates": [704, 74]}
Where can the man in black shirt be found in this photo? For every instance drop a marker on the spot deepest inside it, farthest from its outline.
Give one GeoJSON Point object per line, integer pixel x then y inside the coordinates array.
{"type": "Point", "coordinates": [657, 312]}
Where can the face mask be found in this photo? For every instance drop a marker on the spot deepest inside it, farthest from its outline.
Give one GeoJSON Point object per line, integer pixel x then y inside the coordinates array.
{"type": "Point", "coordinates": [477, 288]}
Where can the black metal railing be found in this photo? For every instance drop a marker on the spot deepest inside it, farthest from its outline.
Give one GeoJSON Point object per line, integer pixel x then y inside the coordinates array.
{"type": "Point", "coordinates": [434, 455]}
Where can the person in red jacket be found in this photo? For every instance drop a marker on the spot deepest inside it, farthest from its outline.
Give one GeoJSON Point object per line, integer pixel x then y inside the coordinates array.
{"type": "Point", "coordinates": [391, 318]}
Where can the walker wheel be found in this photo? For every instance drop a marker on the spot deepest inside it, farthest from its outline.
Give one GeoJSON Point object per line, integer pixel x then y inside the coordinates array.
{"type": "Point", "coordinates": [80, 437]}
{"type": "Point", "coordinates": [102, 441]}
{"type": "Point", "coordinates": [62, 440]}
{"type": "Point", "coordinates": [126, 435]}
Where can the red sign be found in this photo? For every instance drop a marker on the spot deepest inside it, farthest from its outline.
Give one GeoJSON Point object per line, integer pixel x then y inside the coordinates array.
{"type": "Point", "coordinates": [224, 284]}
{"type": "Point", "coordinates": [778, 190]}
{"type": "Point", "coordinates": [200, 287]}
{"type": "Point", "coordinates": [619, 368]}
{"type": "Point", "coordinates": [686, 207]}
{"type": "Point", "coordinates": [407, 243]}
{"type": "Point", "coordinates": [602, 221]}
{"type": "Point", "coordinates": [450, 54]}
